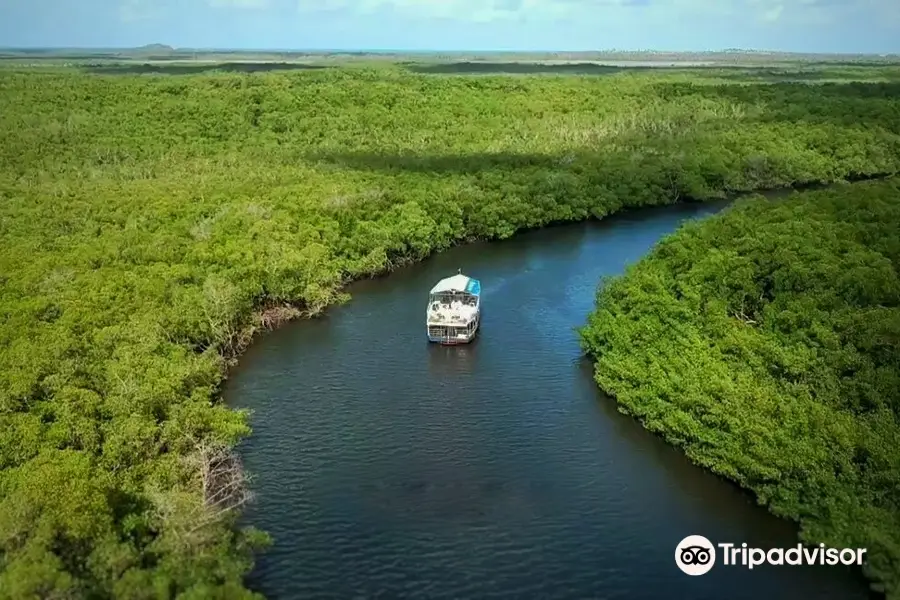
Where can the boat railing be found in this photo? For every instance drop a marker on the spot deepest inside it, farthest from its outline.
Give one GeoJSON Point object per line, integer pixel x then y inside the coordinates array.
{"type": "Point", "coordinates": [445, 314]}
{"type": "Point", "coordinates": [441, 320]}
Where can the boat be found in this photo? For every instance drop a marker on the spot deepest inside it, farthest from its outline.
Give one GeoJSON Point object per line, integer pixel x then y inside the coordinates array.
{"type": "Point", "coordinates": [454, 310]}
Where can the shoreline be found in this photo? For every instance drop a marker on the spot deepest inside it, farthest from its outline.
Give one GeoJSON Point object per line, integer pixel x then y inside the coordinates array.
{"type": "Point", "coordinates": [272, 316]}
{"type": "Point", "coordinates": [736, 453]}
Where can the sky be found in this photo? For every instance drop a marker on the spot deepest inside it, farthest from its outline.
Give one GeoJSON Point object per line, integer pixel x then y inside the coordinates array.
{"type": "Point", "coordinates": [866, 26]}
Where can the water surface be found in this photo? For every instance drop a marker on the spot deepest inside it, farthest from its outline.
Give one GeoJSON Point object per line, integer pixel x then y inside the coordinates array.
{"type": "Point", "coordinates": [386, 467]}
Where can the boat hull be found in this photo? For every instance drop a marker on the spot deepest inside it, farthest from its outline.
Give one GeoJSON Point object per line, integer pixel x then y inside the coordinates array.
{"type": "Point", "coordinates": [452, 336]}
{"type": "Point", "coordinates": [451, 342]}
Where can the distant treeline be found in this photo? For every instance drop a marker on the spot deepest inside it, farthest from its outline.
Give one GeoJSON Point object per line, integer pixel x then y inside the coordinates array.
{"type": "Point", "coordinates": [163, 52]}
{"type": "Point", "coordinates": [150, 224]}
{"type": "Point", "coordinates": [765, 342]}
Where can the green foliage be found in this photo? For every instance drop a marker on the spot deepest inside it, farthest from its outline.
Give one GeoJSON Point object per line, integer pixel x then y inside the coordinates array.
{"type": "Point", "coordinates": [145, 218]}
{"type": "Point", "coordinates": [765, 342]}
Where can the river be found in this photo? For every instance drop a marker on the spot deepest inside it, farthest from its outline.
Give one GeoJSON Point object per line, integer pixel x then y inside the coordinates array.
{"type": "Point", "coordinates": [386, 467]}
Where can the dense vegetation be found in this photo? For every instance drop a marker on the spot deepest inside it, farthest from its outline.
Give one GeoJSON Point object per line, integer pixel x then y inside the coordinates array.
{"type": "Point", "coordinates": [149, 224]}
{"type": "Point", "coordinates": [766, 342]}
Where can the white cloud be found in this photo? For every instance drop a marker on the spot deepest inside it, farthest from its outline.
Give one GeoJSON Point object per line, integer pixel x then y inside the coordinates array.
{"type": "Point", "coordinates": [820, 12]}
{"type": "Point", "coordinates": [470, 10]}
{"type": "Point", "coordinates": [788, 12]}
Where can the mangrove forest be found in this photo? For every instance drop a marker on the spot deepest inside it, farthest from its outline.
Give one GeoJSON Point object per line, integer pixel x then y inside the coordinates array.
{"type": "Point", "coordinates": [765, 342]}
{"type": "Point", "coordinates": [151, 222]}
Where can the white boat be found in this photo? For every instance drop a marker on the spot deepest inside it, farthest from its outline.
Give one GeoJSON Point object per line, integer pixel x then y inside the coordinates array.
{"type": "Point", "coordinates": [454, 310]}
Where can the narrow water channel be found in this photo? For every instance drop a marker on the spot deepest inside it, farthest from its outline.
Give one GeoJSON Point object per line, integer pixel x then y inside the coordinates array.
{"type": "Point", "coordinates": [386, 467]}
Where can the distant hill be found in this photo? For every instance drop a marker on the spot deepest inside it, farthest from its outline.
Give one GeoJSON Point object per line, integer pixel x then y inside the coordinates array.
{"type": "Point", "coordinates": [155, 48]}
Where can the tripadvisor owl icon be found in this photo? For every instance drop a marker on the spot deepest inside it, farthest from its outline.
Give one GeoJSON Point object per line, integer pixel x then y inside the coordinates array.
{"type": "Point", "coordinates": [695, 555]}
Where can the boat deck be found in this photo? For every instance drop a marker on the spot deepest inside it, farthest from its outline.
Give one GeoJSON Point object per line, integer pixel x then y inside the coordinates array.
{"type": "Point", "coordinates": [452, 317]}
{"type": "Point", "coordinates": [454, 310]}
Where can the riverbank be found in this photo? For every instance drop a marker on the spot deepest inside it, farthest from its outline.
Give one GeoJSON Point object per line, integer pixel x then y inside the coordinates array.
{"type": "Point", "coordinates": [763, 342]}
{"type": "Point", "coordinates": [139, 247]}
{"type": "Point", "coordinates": [497, 468]}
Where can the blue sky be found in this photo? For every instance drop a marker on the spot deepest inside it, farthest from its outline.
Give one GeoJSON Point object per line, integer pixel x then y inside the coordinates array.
{"type": "Point", "coordinates": [791, 25]}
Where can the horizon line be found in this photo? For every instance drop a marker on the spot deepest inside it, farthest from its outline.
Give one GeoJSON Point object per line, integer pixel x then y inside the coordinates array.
{"type": "Point", "coordinates": [449, 51]}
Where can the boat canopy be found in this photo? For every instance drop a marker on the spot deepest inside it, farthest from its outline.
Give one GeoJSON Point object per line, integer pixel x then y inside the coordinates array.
{"type": "Point", "coordinates": [457, 283]}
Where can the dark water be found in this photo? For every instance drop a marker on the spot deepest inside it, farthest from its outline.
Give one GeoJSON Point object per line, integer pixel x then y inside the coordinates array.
{"type": "Point", "coordinates": [386, 467]}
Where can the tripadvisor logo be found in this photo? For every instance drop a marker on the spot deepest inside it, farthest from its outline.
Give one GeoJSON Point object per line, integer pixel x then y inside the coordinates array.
{"type": "Point", "coordinates": [696, 555]}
